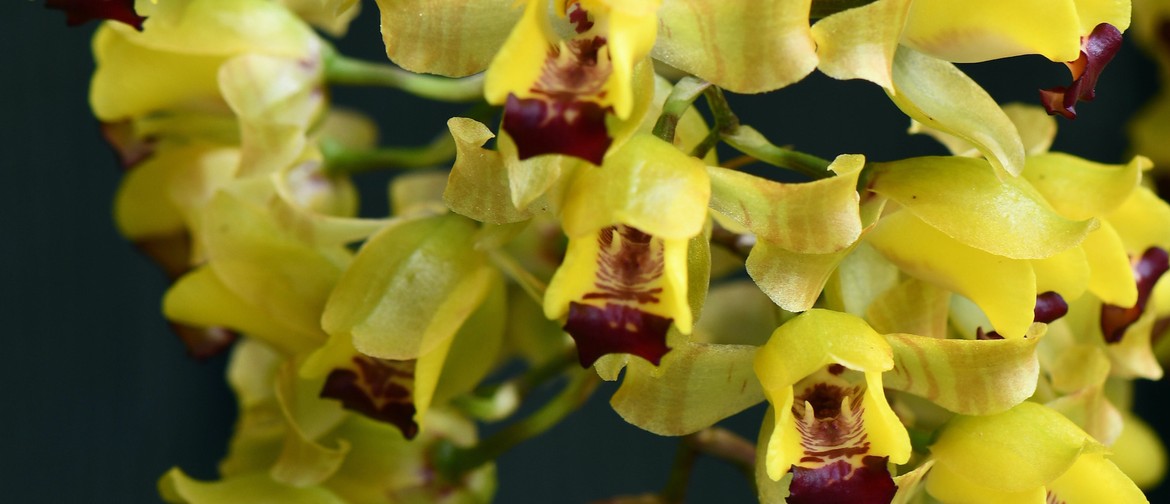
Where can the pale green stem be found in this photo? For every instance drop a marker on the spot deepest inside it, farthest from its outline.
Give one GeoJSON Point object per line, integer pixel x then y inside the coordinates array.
{"type": "Point", "coordinates": [341, 160]}
{"type": "Point", "coordinates": [685, 92]}
{"type": "Point", "coordinates": [453, 461]}
{"type": "Point", "coordinates": [533, 286]}
{"type": "Point", "coordinates": [344, 70]}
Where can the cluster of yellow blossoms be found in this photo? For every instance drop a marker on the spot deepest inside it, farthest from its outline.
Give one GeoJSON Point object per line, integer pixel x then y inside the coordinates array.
{"type": "Point", "coordinates": [954, 329]}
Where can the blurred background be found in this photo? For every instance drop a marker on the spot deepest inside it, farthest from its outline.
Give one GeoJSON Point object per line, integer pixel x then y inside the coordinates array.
{"type": "Point", "coordinates": [100, 398]}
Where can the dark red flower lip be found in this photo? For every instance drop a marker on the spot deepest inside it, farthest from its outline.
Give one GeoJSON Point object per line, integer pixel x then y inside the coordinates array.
{"type": "Point", "coordinates": [377, 388]}
{"type": "Point", "coordinates": [1115, 320]}
{"type": "Point", "coordinates": [555, 125]}
{"type": "Point", "coordinates": [82, 11]}
{"type": "Point", "coordinates": [1096, 51]}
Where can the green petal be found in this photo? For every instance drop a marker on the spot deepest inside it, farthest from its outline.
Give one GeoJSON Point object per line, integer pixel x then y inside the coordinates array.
{"type": "Point", "coordinates": [1080, 189]}
{"type": "Point", "coordinates": [1037, 131]}
{"type": "Point", "coordinates": [475, 348]}
{"type": "Point", "coordinates": [910, 483]}
{"type": "Point", "coordinates": [200, 299]}
{"type": "Point", "coordinates": [936, 94]}
{"type": "Point", "coordinates": [304, 461]}
{"type": "Point", "coordinates": [409, 289]}
{"type": "Point", "coordinates": [445, 38]}
{"type": "Point", "coordinates": [1151, 126]}
{"type": "Point", "coordinates": [1092, 412]}
{"type": "Point", "coordinates": [817, 217]}
{"type": "Point", "coordinates": [913, 307]}
{"type": "Point", "coordinates": [276, 100]}
{"type": "Point", "coordinates": [696, 386]}
{"type": "Point", "coordinates": [990, 452]}
{"type": "Point", "coordinates": [966, 376]}
{"type": "Point", "coordinates": [1005, 289]}
{"type": "Point", "coordinates": [285, 278]}
{"type": "Point", "coordinates": [963, 198]}
{"type": "Point", "coordinates": [742, 48]}
{"type": "Point", "coordinates": [418, 194]}
{"type": "Point", "coordinates": [479, 186]}
{"type": "Point", "coordinates": [859, 43]}
{"type": "Point", "coordinates": [176, 487]}
{"type": "Point", "coordinates": [259, 432]}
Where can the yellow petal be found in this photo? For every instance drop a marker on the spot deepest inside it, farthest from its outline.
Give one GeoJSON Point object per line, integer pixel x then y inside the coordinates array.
{"type": "Point", "coordinates": [793, 280]}
{"type": "Point", "coordinates": [1110, 272]}
{"type": "Point", "coordinates": [966, 376]}
{"type": "Point", "coordinates": [447, 38]}
{"type": "Point", "coordinates": [1066, 273]}
{"type": "Point", "coordinates": [1093, 478]}
{"type": "Point", "coordinates": [1080, 189]}
{"type": "Point", "coordinates": [647, 184]}
{"type": "Point", "coordinates": [815, 339]}
{"type": "Point", "coordinates": [859, 43]}
{"type": "Point", "coordinates": [994, 29]}
{"type": "Point", "coordinates": [936, 94]}
{"type": "Point", "coordinates": [1142, 221]}
{"type": "Point", "coordinates": [1004, 288]}
{"type": "Point", "coordinates": [964, 199]}
{"type": "Point", "coordinates": [990, 451]}
{"type": "Point", "coordinates": [859, 280]}
{"type": "Point", "coordinates": [519, 62]}
{"type": "Point", "coordinates": [817, 217]}
{"type": "Point", "coordinates": [742, 46]}
{"type": "Point", "coordinates": [950, 486]}
{"type": "Point", "coordinates": [1139, 452]}
{"type": "Point", "coordinates": [887, 435]}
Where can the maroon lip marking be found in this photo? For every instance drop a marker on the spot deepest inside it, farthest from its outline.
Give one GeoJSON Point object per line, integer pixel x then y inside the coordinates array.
{"type": "Point", "coordinates": [562, 117]}
{"type": "Point", "coordinates": [377, 388]}
{"type": "Point", "coordinates": [616, 329]}
{"type": "Point", "coordinates": [843, 483]}
{"type": "Point", "coordinates": [1146, 272]}
{"type": "Point", "coordinates": [572, 128]}
{"type": "Point", "coordinates": [1096, 52]}
{"type": "Point", "coordinates": [580, 18]}
{"type": "Point", "coordinates": [1049, 307]}
{"type": "Point", "coordinates": [82, 11]}
{"type": "Point", "coordinates": [130, 149]}
{"type": "Point", "coordinates": [629, 261]}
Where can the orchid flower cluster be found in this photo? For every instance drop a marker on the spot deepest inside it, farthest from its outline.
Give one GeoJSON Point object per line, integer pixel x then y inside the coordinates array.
{"type": "Point", "coordinates": [956, 329]}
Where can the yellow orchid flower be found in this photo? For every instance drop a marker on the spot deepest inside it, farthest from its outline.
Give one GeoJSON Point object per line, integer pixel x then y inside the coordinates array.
{"type": "Point", "coordinates": [834, 430]}
{"type": "Point", "coordinates": [557, 93]}
{"type": "Point", "coordinates": [624, 278]}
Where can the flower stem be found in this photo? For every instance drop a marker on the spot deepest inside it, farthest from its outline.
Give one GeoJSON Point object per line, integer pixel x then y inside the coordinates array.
{"type": "Point", "coordinates": [341, 160]}
{"type": "Point", "coordinates": [453, 461]}
{"type": "Point", "coordinates": [531, 285]}
{"type": "Point", "coordinates": [685, 92]}
{"type": "Point", "coordinates": [344, 70]}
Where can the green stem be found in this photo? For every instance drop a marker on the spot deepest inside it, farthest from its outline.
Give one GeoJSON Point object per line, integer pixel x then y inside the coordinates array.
{"type": "Point", "coordinates": [453, 461]}
{"type": "Point", "coordinates": [685, 92]}
{"type": "Point", "coordinates": [675, 491]}
{"type": "Point", "coordinates": [341, 160]}
{"type": "Point", "coordinates": [749, 141]}
{"type": "Point", "coordinates": [532, 286]}
{"type": "Point", "coordinates": [344, 70]}
{"type": "Point", "coordinates": [727, 446]}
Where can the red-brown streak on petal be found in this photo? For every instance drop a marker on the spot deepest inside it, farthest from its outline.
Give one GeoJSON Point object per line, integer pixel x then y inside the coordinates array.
{"type": "Point", "coordinates": [1051, 498]}
{"type": "Point", "coordinates": [204, 342]}
{"type": "Point", "coordinates": [81, 11]}
{"type": "Point", "coordinates": [843, 483]}
{"type": "Point", "coordinates": [616, 329]}
{"type": "Point", "coordinates": [130, 149]}
{"type": "Point", "coordinates": [1049, 307]}
{"type": "Point", "coordinates": [627, 266]}
{"type": "Point", "coordinates": [1146, 272]}
{"type": "Point", "coordinates": [834, 429]}
{"type": "Point", "coordinates": [1096, 52]}
{"type": "Point", "coordinates": [580, 18]}
{"type": "Point", "coordinates": [377, 388]}
{"type": "Point", "coordinates": [555, 126]}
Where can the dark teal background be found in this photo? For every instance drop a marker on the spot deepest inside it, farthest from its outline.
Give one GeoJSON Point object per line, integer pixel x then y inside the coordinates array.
{"type": "Point", "coordinates": [99, 398]}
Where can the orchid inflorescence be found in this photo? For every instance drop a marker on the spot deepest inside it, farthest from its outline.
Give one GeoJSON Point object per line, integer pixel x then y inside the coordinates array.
{"type": "Point", "coordinates": [956, 329]}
